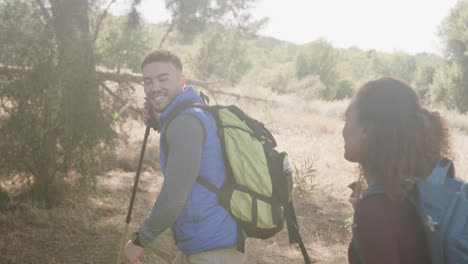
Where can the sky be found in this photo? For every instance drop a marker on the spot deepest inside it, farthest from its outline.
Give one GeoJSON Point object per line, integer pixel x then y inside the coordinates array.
{"type": "Point", "coordinates": [384, 25]}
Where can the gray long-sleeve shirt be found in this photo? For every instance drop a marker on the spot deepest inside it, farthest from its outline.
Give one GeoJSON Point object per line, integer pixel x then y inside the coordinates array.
{"type": "Point", "coordinates": [185, 136]}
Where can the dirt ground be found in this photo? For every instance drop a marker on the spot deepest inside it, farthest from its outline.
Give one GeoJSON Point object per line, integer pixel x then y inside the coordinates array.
{"type": "Point", "coordinates": [89, 231]}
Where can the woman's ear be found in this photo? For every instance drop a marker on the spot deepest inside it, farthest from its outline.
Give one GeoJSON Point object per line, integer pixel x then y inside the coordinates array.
{"type": "Point", "coordinates": [182, 80]}
{"type": "Point", "coordinates": [367, 130]}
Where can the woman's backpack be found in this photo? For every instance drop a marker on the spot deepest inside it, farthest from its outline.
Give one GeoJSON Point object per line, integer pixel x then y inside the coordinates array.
{"type": "Point", "coordinates": [441, 201]}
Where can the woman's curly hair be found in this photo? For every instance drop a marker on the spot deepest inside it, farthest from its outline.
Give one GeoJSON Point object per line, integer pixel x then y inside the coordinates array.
{"type": "Point", "coordinates": [405, 141]}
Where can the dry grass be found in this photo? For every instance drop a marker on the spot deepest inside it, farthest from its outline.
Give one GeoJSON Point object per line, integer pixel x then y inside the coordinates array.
{"type": "Point", "coordinates": [456, 121]}
{"type": "Point", "coordinates": [90, 231]}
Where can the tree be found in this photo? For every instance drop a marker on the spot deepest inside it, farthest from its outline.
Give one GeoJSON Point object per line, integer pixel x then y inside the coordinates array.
{"type": "Point", "coordinates": [320, 58]}
{"type": "Point", "coordinates": [222, 25]}
{"type": "Point", "coordinates": [52, 120]}
{"type": "Point", "coordinates": [221, 56]}
{"type": "Point", "coordinates": [398, 64]}
{"type": "Point", "coordinates": [120, 45]}
{"type": "Point", "coordinates": [445, 81]}
{"type": "Point", "coordinates": [215, 28]}
{"type": "Point", "coordinates": [455, 40]}
{"type": "Point", "coordinates": [191, 17]}
{"type": "Point", "coordinates": [424, 78]}
{"type": "Point", "coordinates": [354, 64]}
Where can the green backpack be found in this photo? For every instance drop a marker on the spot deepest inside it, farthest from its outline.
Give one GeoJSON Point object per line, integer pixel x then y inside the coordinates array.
{"type": "Point", "coordinates": [258, 188]}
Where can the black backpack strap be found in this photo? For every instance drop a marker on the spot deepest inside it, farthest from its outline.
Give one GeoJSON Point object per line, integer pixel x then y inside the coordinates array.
{"type": "Point", "coordinates": [205, 98]}
{"type": "Point", "coordinates": [257, 126]}
{"type": "Point", "coordinates": [293, 230]}
{"type": "Point", "coordinates": [240, 234]}
{"type": "Point", "coordinates": [372, 190]}
{"type": "Point", "coordinates": [207, 185]}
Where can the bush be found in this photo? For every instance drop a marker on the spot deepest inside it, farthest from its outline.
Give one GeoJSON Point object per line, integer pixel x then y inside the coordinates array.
{"type": "Point", "coordinates": [344, 90]}
{"type": "Point", "coordinates": [446, 82]}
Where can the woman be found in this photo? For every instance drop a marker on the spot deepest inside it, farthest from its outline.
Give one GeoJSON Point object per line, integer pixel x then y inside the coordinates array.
{"type": "Point", "coordinates": [393, 139]}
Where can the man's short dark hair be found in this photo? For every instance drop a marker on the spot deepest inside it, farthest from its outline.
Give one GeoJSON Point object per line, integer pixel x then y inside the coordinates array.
{"type": "Point", "coordinates": [162, 56]}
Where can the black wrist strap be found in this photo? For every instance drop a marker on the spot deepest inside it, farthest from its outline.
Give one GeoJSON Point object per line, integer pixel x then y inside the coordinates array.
{"type": "Point", "coordinates": [136, 241]}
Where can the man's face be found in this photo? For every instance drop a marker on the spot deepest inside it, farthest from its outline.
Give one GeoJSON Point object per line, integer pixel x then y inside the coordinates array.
{"type": "Point", "coordinates": [162, 82]}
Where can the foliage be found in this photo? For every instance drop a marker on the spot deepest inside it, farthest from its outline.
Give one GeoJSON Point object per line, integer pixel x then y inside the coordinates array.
{"type": "Point", "coordinates": [320, 58]}
{"type": "Point", "coordinates": [205, 34]}
{"type": "Point", "coordinates": [424, 78]}
{"type": "Point", "coordinates": [280, 83]}
{"type": "Point", "coordinates": [344, 90]}
{"type": "Point", "coordinates": [231, 54]}
{"type": "Point", "coordinates": [348, 224]}
{"type": "Point", "coordinates": [445, 83]}
{"type": "Point", "coordinates": [120, 45]}
{"type": "Point", "coordinates": [338, 70]}
{"type": "Point", "coordinates": [355, 64]}
{"type": "Point", "coordinates": [455, 38]}
{"type": "Point", "coordinates": [399, 65]}
{"type": "Point", "coordinates": [19, 41]}
{"type": "Point", "coordinates": [191, 17]}
{"type": "Point", "coordinates": [270, 60]}
{"type": "Point", "coordinates": [221, 56]}
{"type": "Point", "coordinates": [50, 123]}
{"type": "Point", "coordinates": [304, 176]}
{"type": "Point", "coordinates": [52, 120]}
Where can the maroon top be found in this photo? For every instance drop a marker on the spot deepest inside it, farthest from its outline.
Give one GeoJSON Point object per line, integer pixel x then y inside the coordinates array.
{"type": "Point", "coordinates": [389, 233]}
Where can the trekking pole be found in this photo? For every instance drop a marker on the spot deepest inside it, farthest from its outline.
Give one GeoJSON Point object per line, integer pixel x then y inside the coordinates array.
{"type": "Point", "coordinates": [135, 184]}
{"type": "Point", "coordinates": [293, 231]}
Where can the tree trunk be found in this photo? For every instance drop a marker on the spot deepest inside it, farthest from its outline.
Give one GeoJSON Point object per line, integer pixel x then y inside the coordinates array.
{"type": "Point", "coordinates": [77, 71]}
{"type": "Point", "coordinates": [73, 121]}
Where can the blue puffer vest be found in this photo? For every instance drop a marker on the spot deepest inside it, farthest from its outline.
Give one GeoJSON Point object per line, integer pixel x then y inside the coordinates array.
{"type": "Point", "coordinates": [204, 224]}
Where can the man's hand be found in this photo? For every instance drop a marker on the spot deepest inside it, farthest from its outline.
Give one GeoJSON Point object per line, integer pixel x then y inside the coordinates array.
{"type": "Point", "coordinates": [151, 118]}
{"type": "Point", "coordinates": [132, 253]}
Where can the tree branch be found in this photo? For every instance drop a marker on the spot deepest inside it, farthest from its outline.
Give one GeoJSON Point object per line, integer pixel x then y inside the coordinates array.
{"type": "Point", "coordinates": [116, 97]}
{"type": "Point", "coordinates": [119, 77]}
{"type": "Point", "coordinates": [169, 30]}
{"type": "Point", "coordinates": [101, 18]}
{"type": "Point", "coordinates": [104, 75]}
{"type": "Point", "coordinates": [217, 91]}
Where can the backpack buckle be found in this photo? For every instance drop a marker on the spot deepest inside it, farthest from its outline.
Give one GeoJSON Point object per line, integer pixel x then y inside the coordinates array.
{"type": "Point", "coordinates": [431, 223]}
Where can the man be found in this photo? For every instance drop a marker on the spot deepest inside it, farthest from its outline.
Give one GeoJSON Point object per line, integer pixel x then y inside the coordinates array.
{"type": "Point", "coordinates": [203, 230]}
